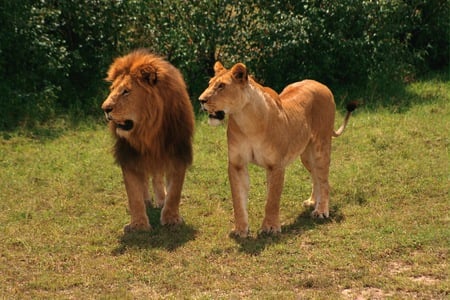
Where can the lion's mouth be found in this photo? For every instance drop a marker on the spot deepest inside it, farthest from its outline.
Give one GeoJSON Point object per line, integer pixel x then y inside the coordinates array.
{"type": "Point", "coordinates": [127, 125]}
{"type": "Point", "coordinates": [219, 115]}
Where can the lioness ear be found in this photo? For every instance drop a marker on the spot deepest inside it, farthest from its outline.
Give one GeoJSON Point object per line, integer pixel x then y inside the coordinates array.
{"type": "Point", "coordinates": [218, 67]}
{"type": "Point", "coordinates": [239, 72]}
{"type": "Point", "coordinates": [148, 74]}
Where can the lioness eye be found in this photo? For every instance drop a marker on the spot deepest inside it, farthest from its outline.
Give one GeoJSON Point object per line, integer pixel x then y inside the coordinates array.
{"type": "Point", "coordinates": [221, 86]}
{"type": "Point", "coordinates": [125, 92]}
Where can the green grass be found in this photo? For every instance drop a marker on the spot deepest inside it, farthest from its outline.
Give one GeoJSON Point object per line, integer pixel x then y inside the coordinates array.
{"type": "Point", "coordinates": [63, 206]}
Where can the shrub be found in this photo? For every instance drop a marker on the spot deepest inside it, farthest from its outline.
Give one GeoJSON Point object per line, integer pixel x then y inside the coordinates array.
{"type": "Point", "coordinates": [54, 54]}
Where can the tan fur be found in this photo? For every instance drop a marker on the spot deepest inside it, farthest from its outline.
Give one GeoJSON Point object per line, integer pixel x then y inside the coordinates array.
{"type": "Point", "coordinates": [272, 130]}
{"type": "Point", "coordinates": [149, 93]}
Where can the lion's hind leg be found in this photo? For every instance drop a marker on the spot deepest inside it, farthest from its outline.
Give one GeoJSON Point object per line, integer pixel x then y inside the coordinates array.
{"type": "Point", "coordinates": [170, 214]}
{"type": "Point", "coordinates": [159, 189]}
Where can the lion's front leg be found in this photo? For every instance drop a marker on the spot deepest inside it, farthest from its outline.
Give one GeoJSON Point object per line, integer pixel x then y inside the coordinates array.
{"type": "Point", "coordinates": [135, 185]}
{"type": "Point", "coordinates": [275, 182]}
{"type": "Point", "coordinates": [239, 181]}
{"type": "Point", "coordinates": [170, 214]}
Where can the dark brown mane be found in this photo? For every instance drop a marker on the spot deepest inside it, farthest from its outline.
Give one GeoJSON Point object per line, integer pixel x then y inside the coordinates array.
{"type": "Point", "coordinates": [165, 131]}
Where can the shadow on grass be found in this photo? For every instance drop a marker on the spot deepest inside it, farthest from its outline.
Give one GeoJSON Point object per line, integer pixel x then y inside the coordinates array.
{"type": "Point", "coordinates": [254, 245]}
{"type": "Point", "coordinates": [164, 237]}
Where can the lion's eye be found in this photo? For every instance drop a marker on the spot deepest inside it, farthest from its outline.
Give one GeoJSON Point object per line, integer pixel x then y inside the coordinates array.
{"type": "Point", "coordinates": [125, 92]}
{"type": "Point", "coordinates": [221, 86]}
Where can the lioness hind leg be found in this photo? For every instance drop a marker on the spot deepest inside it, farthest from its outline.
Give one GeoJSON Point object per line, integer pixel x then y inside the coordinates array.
{"type": "Point", "coordinates": [170, 214]}
{"type": "Point", "coordinates": [320, 174]}
{"type": "Point", "coordinates": [307, 162]}
{"type": "Point", "coordinates": [317, 158]}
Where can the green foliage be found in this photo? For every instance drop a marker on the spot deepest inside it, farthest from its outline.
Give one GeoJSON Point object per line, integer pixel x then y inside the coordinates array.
{"type": "Point", "coordinates": [54, 54]}
{"type": "Point", "coordinates": [30, 61]}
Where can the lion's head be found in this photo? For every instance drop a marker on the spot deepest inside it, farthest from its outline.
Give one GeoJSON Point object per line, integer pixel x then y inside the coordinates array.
{"type": "Point", "coordinates": [148, 105]}
{"type": "Point", "coordinates": [132, 98]}
{"type": "Point", "coordinates": [223, 95]}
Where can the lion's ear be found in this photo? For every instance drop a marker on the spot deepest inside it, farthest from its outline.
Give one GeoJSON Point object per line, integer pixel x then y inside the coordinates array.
{"type": "Point", "coordinates": [239, 72]}
{"type": "Point", "coordinates": [147, 73]}
{"type": "Point", "coordinates": [218, 68]}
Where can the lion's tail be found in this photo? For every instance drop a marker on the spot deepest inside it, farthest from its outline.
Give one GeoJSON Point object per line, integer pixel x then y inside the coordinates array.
{"type": "Point", "coordinates": [350, 108]}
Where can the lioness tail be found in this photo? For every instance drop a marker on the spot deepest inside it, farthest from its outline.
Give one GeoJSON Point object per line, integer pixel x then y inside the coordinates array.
{"type": "Point", "coordinates": [350, 107]}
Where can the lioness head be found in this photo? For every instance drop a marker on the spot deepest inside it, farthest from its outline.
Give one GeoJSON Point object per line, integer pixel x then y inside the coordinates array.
{"type": "Point", "coordinates": [132, 94]}
{"type": "Point", "coordinates": [224, 93]}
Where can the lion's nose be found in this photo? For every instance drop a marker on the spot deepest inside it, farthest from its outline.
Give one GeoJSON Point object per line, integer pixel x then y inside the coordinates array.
{"type": "Point", "coordinates": [107, 108]}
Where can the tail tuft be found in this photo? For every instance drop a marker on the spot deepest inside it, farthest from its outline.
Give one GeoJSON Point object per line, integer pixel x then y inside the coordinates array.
{"type": "Point", "coordinates": [351, 106]}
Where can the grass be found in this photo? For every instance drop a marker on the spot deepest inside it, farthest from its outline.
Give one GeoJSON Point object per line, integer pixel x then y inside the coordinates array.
{"type": "Point", "coordinates": [63, 206]}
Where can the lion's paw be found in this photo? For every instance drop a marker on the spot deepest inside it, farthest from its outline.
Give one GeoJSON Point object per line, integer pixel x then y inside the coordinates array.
{"type": "Point", "coordinates": [320, 215]}
{"type": "Point", "coordinates": [159, 203]}
{"type": "Point", "coordinates": [171, 220]}
{"type": "Point", "coordinates": [136, 228]}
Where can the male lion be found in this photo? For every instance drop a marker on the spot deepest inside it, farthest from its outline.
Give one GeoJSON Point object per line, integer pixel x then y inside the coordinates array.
{"type": "Point", "coordinates": [272, 130]}
{"type": "Point", "coordinates": [151, 117]}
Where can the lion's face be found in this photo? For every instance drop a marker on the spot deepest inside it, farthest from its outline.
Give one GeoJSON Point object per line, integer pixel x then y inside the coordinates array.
{"type": "Point", "coordinates": [131, 100]}
{"type": "Point", "coordinates": [224, 93]}
{"type": "Point", "coordinates": [119, 106]}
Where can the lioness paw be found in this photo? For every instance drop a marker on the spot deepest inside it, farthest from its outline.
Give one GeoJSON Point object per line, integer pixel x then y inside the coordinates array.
{"type": "Point", "coordinates": [271, 228]}
{"type": "Point", "coordinates": [319, 214]}
{"type": "Point", "coordinates": [309, 203]}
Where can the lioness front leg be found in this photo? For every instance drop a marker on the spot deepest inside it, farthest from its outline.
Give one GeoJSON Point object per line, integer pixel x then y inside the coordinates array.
{"type": "Point", "coordinates": [135, 185]}
{"type": "Point", "coordinates": [275, 181]}
{"type": "Point", "coordinates": [239, 182]}
{"type": "Point", "coordinates": [170, 214]}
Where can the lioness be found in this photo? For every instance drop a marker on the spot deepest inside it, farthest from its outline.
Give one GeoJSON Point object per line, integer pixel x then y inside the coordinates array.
{"type": "Point", "coordinates": [151, 117]}
{"type": "Point", "coordinates": [271, 131]}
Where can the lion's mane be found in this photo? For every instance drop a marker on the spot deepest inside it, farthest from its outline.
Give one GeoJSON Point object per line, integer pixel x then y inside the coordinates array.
{"type": "Point", "coordinates": [164, 134]}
